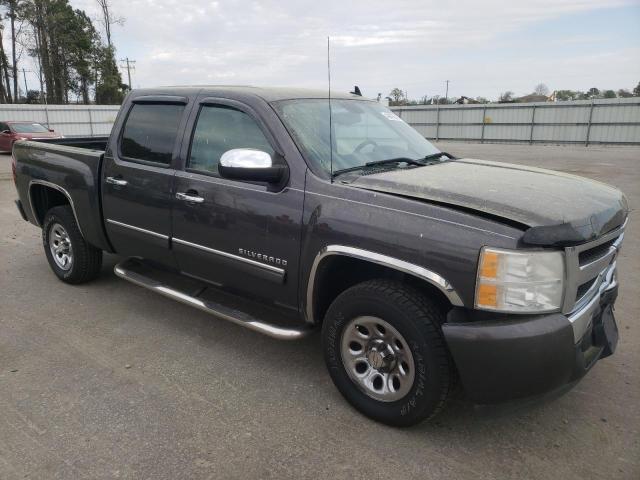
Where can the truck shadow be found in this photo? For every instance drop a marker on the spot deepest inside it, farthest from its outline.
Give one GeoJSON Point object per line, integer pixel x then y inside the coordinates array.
{"type": "Point", "coordinates": [303, 358]}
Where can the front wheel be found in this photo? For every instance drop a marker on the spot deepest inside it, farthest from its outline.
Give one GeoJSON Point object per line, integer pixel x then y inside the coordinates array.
{"type": "Point", "coordinates": [71, 258]}
{"type": "Point", "coordinates": [386, 354]}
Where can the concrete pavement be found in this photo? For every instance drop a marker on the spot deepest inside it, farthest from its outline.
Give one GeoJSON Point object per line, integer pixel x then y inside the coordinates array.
{"type": "Point", "coordinates": [108, 380]}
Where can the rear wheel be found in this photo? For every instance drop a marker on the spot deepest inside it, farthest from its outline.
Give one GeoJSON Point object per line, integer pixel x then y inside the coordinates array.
{"type": "Point", "coordinates": [71, 258]}
{"type": "Point", "coordinates": [386, 354]}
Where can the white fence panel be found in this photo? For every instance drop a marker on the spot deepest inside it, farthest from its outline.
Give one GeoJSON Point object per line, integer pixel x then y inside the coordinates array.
{"type": "Point", "coordinates": [69, 120]}
{"type": "Point", "coordinates": [609, 121]}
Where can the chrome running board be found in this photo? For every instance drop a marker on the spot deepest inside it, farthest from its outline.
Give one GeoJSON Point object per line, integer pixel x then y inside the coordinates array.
{"type": "Point", "coordinates": [138, 273]}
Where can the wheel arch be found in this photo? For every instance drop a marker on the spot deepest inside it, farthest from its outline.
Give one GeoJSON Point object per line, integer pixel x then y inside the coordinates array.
{"type": "Point", "coordinates": [324, 283]}
{"type": "Point", "coordinates": [45, 195]}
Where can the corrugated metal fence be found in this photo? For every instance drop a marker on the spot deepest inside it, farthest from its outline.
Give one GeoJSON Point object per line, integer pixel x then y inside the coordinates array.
{"type": "Point", "coordinates": [69, 120]}
{"type": "Point", "coordinates": [610, 121]}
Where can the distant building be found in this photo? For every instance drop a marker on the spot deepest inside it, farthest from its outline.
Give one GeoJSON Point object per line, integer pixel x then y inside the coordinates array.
{"type": "Point", "coordinates": [533, 97]}
{"type": "Point", "coordinates": [465, 100]}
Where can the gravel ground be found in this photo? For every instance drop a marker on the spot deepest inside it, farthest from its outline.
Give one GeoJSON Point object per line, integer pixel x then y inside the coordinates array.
{"type": "Point", "coordinates": [108, 380]}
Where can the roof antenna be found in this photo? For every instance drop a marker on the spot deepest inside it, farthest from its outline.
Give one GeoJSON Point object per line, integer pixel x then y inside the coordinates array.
{"type": "Point", "coordinates": [330, 121]}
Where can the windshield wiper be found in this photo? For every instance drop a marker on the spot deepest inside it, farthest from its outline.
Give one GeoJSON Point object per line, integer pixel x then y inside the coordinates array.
{"type": "Point", "coordinates": [435, 156]}
{"type": "Point", "coordinates": [410, 161]}
{"type": "Point", "coordinates": [377, 163]}
{"type": "Point", "coordinates": [389, 161]}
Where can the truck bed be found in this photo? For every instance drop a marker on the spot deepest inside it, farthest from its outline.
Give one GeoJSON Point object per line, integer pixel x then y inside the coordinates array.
{"type": "Point", "coordinates": [71, 166]}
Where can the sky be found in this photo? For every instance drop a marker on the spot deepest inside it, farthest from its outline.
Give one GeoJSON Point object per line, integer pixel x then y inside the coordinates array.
{"type": "Point", "coordinates": [483, 48]}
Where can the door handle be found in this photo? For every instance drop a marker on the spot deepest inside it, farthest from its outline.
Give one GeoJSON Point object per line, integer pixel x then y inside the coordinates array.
{"type": "Point", "coordinates": [116, 181]}
{"type": "Point", "coordinates": [189, 198]}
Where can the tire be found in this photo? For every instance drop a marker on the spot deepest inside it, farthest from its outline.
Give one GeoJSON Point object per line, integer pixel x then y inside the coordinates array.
{"type": "Point", "coordinates": [409, 318]}
{"type": "Point", "coordinates": [60, 231]}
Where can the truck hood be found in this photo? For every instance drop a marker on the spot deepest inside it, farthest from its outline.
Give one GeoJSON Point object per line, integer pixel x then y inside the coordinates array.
{"type": "Point", "coordinates": [554, 208]}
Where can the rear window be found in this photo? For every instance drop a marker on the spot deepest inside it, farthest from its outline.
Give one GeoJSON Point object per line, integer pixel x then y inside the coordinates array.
{"type": "Point", "coordinates": [28, 128]}
{"type": "Point", "coordinates": [150, 132]}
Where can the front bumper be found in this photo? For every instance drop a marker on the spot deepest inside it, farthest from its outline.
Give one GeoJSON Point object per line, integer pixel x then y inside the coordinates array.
{"type": "Point", "coordinates": [21, 210]}
{"type": "Point", "coordinates": [508, 357]}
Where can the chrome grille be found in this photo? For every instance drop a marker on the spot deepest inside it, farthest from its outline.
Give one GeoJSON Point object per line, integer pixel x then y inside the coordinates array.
{"type": "Point", "coordinates": [587, 265]}
{"type": "Point", "coordinates": [584, 288]}
{"type": "Point", "coordinates": [595, 253]}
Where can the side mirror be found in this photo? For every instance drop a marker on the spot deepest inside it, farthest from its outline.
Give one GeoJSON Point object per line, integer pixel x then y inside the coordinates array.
{"type": "Point", "coordinates": [250, 165]}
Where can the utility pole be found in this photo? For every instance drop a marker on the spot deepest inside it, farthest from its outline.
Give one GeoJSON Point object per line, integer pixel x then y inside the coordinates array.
{"type": "Point", "coordinates": [129, 65]}
{"type": "Point", "coordinates": [24, 75]}
{"type": "Point", "coordinates": [446, 95]}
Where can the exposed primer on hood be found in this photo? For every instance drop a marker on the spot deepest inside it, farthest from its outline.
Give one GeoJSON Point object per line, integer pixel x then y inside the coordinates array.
{"type": "Point", "coordinates": [560, 208]}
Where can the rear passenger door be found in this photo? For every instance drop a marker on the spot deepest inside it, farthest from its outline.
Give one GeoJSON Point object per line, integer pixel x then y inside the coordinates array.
{"type": "Point", "coordinates": [138, 178]}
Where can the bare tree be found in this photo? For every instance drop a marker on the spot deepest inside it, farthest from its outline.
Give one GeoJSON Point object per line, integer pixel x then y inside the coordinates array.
{"type": "Point", "coordinates": [11, 6]}
{"type": "Point", "coordinates": [5, 85]}
{"type": "Point", "coordinates": [506, 96]}
{"type": "Point", "coordinates": [541, 89]}
{"type": "Point", "coordinates": [108, 19]}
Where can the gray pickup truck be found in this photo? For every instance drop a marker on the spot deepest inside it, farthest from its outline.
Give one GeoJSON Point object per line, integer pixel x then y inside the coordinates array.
{"type": "Point", "coordinates": [284, 211]}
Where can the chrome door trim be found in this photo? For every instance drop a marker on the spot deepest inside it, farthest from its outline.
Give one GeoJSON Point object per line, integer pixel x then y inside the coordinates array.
{"type": "Point", "coordinates": [55, 187]}
{"type": "Point", "coordinates": [271, 268]}
{"type": "Point", "coordinates": [138, 229]}
{"type": "Point", "coordinates": [409, 268]}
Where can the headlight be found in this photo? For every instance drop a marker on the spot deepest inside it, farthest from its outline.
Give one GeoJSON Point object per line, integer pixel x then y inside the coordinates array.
{"type": "Point", "coordinates": [515, 281]}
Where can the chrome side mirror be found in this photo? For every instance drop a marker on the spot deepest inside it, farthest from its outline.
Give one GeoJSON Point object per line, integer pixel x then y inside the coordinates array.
{"type": "Point", "coordinates": [250, 165]}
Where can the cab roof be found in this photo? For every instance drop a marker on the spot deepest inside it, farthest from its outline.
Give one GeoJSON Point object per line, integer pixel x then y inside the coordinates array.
{"type": "Point", "coordinates": [268, 94]}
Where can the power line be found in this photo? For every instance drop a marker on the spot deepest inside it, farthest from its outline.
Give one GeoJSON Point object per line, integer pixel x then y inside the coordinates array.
{"type": "Point", "coordinates": [129, 65]}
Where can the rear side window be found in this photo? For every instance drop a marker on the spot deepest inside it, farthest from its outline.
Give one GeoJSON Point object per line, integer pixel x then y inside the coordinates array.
{"type": "Point", "coordinates": [219, 129]}
{"type": "Point", "coordinates": [150, 132]}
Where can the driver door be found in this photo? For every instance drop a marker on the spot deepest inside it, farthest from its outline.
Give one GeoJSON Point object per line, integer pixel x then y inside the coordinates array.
{"type": "Point", "coordinates": [241, 235]}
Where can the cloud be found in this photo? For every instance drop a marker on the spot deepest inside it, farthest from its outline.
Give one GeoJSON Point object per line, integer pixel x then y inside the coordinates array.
{"type": "Point", "coordinates": [378, 44]}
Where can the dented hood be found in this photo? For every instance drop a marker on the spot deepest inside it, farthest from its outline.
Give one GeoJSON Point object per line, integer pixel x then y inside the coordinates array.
{"type": "Point", "coordinates": [557, 208]}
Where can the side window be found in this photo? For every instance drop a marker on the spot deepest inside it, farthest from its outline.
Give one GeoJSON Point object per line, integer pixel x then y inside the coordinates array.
{"type": "Point", "coordinates": [150, 132]}
{"type": "Point", "coordinates": [219, 129]}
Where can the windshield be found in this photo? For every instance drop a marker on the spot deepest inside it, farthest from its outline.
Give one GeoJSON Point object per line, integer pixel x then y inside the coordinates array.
{"type": "Point", "coordinates": [28, 128]}
{"type": "Point", "coordinates": [363, 132]}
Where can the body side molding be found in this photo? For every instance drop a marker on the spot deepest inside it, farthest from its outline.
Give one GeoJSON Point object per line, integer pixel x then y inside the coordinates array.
{"type": "Point", "coordinates": [138, 229]}
{"type": "Point", "coordinates": [276, 270]}
{"type": "Point", "coordinates": [409, 268]}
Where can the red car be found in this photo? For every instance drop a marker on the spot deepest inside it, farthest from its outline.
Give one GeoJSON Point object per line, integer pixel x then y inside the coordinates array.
{"type": "Point", "coordinates": [12, 131]}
